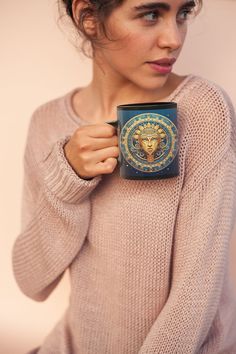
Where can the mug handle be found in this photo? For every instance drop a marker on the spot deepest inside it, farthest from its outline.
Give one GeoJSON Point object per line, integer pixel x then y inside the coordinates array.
{"type": "Point", "coordinates": [114, 123]}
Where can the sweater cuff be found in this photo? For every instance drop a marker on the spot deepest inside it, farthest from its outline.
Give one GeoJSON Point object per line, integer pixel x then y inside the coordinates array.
{"type": "Point", "coordinates": [62, 180]}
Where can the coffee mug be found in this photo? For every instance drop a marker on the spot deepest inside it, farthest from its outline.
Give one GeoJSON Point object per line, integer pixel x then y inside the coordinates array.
{"type": "Point", "coordinates": [148, 140]}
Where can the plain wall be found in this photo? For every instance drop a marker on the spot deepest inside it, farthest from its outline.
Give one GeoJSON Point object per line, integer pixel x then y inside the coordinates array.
{"type": "Point", "coordinates": [38, 64]}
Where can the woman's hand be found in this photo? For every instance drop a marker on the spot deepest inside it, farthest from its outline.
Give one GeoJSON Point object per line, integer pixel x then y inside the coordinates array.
{"type": "Point", "coordinates": [93, 150]}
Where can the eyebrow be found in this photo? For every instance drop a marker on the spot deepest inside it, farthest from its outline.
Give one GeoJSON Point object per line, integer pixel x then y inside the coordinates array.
{"type": "Point", "coordinates": [162, 5]}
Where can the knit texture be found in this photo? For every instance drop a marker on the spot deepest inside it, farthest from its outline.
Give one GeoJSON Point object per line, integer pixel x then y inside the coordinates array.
{"type": "Point", "coordinates": [148, 260]}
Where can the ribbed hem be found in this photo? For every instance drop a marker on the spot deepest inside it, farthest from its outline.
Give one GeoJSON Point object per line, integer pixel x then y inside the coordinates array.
{"type": "Point", "coordinates": [62, 180]}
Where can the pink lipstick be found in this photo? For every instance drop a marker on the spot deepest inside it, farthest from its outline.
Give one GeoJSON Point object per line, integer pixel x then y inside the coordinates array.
{"type": "Point", "coordinates": [163, 66]}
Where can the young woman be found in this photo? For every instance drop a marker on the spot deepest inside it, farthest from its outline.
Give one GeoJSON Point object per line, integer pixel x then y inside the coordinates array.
{"type": "Point", "coordinates": [148, 259]}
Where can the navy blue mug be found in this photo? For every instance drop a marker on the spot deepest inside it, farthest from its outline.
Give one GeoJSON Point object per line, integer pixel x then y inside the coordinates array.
{"type": "Point", "coordinates": [148, 140]}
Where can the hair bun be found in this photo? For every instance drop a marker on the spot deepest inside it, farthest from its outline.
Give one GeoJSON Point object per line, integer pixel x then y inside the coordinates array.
{"type": "Point", "coordinates": [68, 4]}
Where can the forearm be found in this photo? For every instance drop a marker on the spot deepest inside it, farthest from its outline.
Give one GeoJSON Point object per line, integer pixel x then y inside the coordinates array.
{"type": "Point", "coordinates": [55, 227]}
{"type": "Point", "coordinates": [49, 243]}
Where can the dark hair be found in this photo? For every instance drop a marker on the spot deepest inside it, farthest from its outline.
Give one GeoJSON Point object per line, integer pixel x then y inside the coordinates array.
{"type": "Point", "coordinates": [100, 11]}
{"type": "Point", "coordinates": [99, 8]}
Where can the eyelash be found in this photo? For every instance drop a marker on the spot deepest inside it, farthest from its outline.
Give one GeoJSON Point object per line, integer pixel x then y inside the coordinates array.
{"type": "Point", "coordinates": [157, 13]}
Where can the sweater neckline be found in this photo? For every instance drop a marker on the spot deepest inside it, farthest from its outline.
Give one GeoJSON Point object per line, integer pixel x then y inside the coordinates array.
{"type": "Point", "coordinates": [76, 118]}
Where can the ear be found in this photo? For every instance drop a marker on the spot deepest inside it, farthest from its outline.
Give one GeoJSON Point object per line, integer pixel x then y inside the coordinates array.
{"type": "Point", "coordinates": [89, 22]}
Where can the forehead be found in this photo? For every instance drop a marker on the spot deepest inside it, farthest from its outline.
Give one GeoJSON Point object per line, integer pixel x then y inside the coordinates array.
{"type": "Point", "coordinates": [166, 5]}
{"type": "Point", "coordinates": [148, 134]}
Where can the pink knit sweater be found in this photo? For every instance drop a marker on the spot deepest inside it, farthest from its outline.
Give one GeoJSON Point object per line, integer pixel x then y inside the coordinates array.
{"type": "Point", "coordinates": [148, 260]}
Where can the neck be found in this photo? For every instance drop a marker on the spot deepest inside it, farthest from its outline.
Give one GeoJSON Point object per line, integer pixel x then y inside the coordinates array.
{"type": "Point", "coordinates": [107, 90]}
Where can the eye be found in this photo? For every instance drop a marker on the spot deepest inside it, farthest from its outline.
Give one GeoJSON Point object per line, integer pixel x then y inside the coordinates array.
{"type": "Point", "coordinates": [185, 14]}
{"type": "Point", "coordinates": [150, 16]}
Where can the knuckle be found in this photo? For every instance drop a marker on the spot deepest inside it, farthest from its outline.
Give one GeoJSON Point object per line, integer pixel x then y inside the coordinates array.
{"type": "Point", "coordinates": [116, 139]}
{"type": "Point", "coordinates": [84, 158]}
{"type": "Point", "coordinates": [109, 168]}
{"type": "Point", "coordinates": [116, 151]}
{"type": "Point", "coordinates": [86, 169]}
{"type": "Point", "coordinates": [83, 145]}
{"type": "Point", "coordinates": [78, 132]}
{"type": "Point", "coordinates": [110, 130]}
{"type": "Point", "coordinates": [111, 165]}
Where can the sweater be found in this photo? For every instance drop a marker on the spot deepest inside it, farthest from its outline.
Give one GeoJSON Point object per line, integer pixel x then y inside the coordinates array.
{"type": "Point", "coordinates": [148, 259]}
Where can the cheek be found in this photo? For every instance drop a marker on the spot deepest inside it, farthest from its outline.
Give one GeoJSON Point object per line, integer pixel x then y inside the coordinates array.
{"type": "Point", "coordinates": [145, 144]}
{"type": "Point", "coordinates": [133, 44]}
{"type": "Point", "coordinates": [184, 33]}
{"type": "Point", "coordinates": [129, 38]}
{"type": "Point", "coordinates": [127, 52]}
{"type": "Point", "coordinates": [142, 41]}
{"type": "Point", "coordinates": [154, 143]}
{"type": "Point", "coordinates": [141, 142]}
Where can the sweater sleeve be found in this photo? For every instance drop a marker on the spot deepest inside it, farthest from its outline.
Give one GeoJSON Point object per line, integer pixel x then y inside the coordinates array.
{"type": "Point", "coordinates": [190, 321]}
{"type": "Point", "coordinates": [55, 220]}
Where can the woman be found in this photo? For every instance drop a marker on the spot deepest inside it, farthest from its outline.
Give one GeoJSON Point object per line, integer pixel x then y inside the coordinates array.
{"type": "Point", "coordinates": [148, 260]}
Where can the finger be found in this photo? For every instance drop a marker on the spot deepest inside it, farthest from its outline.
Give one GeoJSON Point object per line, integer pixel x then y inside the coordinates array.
{"type": "Point", "coordinates": [100, 130]}
{"type": "Point", "coordinates": [106, 166]}
{"type": "Point", "coordinates": [103, 154]}
{"type": "Point", "coordinates": [101, 143]}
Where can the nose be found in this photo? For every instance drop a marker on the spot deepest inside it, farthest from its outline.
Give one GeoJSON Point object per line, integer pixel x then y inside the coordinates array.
{"type": "Point", "coordinates": [171, 36]}
{"type": "Point", "coordinates": [149, 143]}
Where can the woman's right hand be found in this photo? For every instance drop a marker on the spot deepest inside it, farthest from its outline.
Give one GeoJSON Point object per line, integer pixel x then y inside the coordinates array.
{"type": "Point", "coordinates": [93, 150]}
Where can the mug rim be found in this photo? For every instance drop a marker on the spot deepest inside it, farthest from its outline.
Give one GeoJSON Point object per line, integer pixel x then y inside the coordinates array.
{"type": "Point", "coordinates": [147, 105]}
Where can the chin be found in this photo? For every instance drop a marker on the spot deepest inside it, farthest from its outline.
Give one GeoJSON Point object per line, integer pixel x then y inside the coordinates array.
{"type": "Point", "coordinates": [153, 83]}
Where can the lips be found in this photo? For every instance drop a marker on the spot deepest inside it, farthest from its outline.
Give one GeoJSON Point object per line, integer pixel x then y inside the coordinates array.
{"type": "Point", "coordinates": [162, 66]}
{"type": "Point", "coordinates": [164, 61]}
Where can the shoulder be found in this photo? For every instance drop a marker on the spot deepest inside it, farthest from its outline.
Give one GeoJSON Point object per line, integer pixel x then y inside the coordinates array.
{"type": "Point", "coordinates": [48, 123]}
{"type": "Point", "coordinates": [207, 106]}
{"type": "Point", "coordinates": [207, 96]}
{"type": "Point", "coordinates": [52, 113]}
{"type": "Point", "coordinates": [208, 119]}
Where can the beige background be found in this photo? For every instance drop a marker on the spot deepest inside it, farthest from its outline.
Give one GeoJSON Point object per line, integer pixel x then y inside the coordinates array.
{"type": "Point", "coordinates": [38, 64]}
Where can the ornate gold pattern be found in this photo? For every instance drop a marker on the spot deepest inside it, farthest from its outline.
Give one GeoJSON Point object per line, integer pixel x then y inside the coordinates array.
{"type": "Point", "coordinates": [148, 142]}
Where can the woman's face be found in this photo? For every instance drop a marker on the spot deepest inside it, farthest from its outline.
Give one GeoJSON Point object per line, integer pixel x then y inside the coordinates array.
{"type": "Point", "coordinates": [144, 31]}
